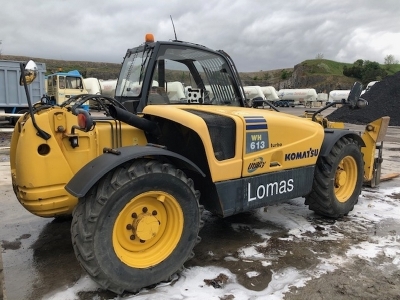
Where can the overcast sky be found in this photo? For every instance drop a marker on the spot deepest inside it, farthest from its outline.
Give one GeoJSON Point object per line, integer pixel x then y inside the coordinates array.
{"type": "Point", "coordinates": [257, 34]}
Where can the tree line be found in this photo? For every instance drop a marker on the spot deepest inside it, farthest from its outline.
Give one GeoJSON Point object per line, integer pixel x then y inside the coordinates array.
{"type": "Point", "coordinates": [367, 71]}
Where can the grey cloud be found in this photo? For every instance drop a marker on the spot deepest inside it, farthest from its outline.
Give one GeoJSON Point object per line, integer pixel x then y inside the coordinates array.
{"type": "Point", "coordinates": [259, 35]}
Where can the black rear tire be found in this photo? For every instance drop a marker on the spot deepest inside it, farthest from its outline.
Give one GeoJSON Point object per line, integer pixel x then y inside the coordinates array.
{"type": "Point", "coordinates": [137, 226]}
{"type": "Point", "coordinates": [338, 179]}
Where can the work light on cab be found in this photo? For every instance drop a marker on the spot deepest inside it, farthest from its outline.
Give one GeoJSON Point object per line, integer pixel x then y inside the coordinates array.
{"type": "Point", "coordinates": [149, 38]}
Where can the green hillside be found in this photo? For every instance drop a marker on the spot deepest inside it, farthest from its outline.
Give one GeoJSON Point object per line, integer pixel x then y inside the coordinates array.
{"type": "Point", "coordinates": [325, 66]}
{"type": "Point", "coordinates": [322, 74]}
{"type": "Point", "coordinates": [99, 70]}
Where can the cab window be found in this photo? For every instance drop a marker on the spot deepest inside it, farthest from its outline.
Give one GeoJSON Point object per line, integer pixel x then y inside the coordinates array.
{"type": "Point", "coordinates": [192, 76]}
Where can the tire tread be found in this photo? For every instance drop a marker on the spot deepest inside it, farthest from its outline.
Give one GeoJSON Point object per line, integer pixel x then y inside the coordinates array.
{"type": "Point", "coordinates": [319, 199]}
{"type": "Point", "coordinates": [88, 209]}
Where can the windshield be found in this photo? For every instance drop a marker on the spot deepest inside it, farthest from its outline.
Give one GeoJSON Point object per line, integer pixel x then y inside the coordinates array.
{"type": "Point", "coordinates": [132, 73]}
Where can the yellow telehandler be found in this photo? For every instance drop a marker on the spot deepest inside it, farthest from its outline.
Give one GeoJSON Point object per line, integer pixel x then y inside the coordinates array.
{"type": "Point", "coordinates": [137, 171]}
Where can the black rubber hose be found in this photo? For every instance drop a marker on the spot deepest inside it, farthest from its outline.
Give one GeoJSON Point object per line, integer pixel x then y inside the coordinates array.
{"type": "Point", "coordinates": [134, 120]}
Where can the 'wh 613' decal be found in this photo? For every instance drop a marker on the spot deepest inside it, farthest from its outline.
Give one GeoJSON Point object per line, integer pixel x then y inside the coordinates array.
{"type": "Point", "coordinates": [256, 133]}
{"type": "Point", "coordinates": [256, 141]}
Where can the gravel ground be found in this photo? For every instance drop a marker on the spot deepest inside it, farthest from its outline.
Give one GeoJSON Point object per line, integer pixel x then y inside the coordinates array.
{"type": "Point", "coordinates": [5, 138]}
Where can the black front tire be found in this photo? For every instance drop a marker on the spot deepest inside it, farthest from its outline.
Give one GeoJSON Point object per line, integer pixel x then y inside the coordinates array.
{"type": "Point", "coordinates": [137, 226]}
{"type": "Point", "coordinates": [338, 179]}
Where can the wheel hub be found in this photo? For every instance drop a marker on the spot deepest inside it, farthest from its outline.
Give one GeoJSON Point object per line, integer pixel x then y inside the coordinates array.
{"type": "Point", "coordinates": [341, 177]}
{"type": "Point", "coordinates": [345, 178]}
{"type": "Point", "coordinates": [146, 227]}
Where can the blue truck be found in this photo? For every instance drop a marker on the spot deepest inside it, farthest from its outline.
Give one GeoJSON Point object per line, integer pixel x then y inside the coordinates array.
{"type": "Point", "coordinates": [12, 95]}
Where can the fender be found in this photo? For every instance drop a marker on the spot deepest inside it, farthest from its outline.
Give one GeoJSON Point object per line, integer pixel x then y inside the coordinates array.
{"type": "Point", "coordinates": [333, 135]}
{"type": "Point", "coordinates": [87, 176]}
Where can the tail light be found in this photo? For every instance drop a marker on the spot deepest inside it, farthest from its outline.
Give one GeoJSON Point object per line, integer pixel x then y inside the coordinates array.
{"type": "Point", "coordinates": [85, 121]}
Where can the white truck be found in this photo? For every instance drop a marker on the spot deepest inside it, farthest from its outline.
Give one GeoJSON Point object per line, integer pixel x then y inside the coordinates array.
{"type": "Point", "coordinates": [253, 91]}
{"type": "Point", "coordinates": [322, 99]}
{"type": "Point", "coordinates": [270, 93]}
{"type": "Point", "coordinates": [260, 92]}
{"type": "Point", "coordinates": [368, 87]}
{"type": "Point", "coordinates": [175, 90]}
{"type": "Point", "coordinates": [99, 86]}
{"type": "Point", "coordinates": [338, 95]}
{"type": "Point", "coordinates": [293, 97]}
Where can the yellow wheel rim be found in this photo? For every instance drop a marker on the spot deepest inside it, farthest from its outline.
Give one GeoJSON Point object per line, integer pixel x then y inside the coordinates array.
{"type": "Point", "coordinates": [147, 229]}
{"type": "Point", "coordinates": [345, 178]}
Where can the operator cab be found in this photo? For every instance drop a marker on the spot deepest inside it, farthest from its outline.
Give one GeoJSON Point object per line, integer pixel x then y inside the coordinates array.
{"type": "Point", "coordinates": [177, 72]}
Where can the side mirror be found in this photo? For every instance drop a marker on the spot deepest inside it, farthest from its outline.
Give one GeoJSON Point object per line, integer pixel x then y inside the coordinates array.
{"type": "Point", "coordinates": [354, 94]}
{"type": "Point", "coordinates": [30, 73]}
{"type": "Point", "coordinates": [257, 101]}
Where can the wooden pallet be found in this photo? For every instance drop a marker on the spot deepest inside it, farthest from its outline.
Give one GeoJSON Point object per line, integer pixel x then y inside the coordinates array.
{"type": "Point", "coordinates": [389, 176]}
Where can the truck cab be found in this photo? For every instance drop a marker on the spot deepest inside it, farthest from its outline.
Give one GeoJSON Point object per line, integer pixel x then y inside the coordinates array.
{"type": "Point", "coordinates": [63, 85]}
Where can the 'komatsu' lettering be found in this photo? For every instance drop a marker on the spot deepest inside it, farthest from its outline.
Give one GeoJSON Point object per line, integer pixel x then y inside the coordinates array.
{"type": "Point", "coordinates": [269, 189]}
{"type": "Point", "coordinates": [302, 154]}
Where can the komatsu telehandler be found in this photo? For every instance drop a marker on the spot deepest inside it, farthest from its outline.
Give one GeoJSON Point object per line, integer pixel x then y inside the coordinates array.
{"type": "Point", "coordinates": [137, 170]}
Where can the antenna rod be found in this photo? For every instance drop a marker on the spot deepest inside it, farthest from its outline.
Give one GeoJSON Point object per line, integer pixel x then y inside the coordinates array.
{"type": "Point", "coordinates": [173, 27]}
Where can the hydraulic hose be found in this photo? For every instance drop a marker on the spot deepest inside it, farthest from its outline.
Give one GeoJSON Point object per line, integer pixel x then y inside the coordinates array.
{"type": "Point", "coordinates": [134, 120]}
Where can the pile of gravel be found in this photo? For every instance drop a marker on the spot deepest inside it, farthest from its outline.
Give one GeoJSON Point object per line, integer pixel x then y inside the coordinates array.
{"type": "Point", "coordinates": [383, 100]}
